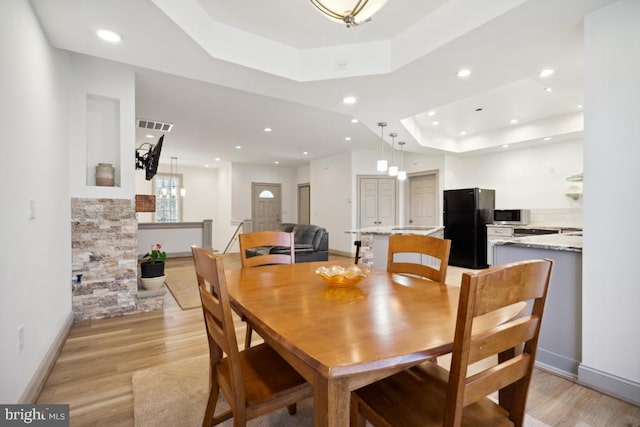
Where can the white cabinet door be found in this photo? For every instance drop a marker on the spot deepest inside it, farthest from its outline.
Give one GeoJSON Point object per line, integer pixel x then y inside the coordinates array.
{"type": "Point", "coordinates": [377, 202]}
{"type": "Point", "coordinates": [494, 233]}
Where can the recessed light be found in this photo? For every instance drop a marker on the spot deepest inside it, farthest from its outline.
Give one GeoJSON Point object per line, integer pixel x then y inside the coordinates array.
{"type": "Point", "coordinates": [465, 72]}
{"type": "Point", "coordinates": [463, 133]}
{"type": "Point", "coordinates": [548, 138]}
{"type": "Point", "coordinates": [268, 129]}
{"type": "Point", "coordinates": [238, 147]}
{"type": "Point", "coordinates": [217, 159]}
{"type": "Point", "coordinates": [149, 136]}
{"type": "Point", "coordinates": [354, 120]}
{"type": "Point", "coordinates": [109, 36]}
{"type": "Point", "coordinates": [435, 123]}
{"type": "Point", "coordinates": [579, 106]}
{"type": "Point", "coordinates": [546, 73]}
{"type": "Point", "coordinates": [513, 121]}
{"type": "Point", "coordinates": [431, 113]}
{"type": "Point", "coordinates": [276, 162]}
{"type": "Point", "coordinates": [505, 146]}
{"type": "Point", "coordinates": [206, 166]}
{"type": "Point", "coordinates": [349, 100]}
{"type": "Point", "coordinates": [347, 138]}
{"type": "Point", "coordinates": [304, 153]}
{"type": "Point", "coordinates": [548, 89]}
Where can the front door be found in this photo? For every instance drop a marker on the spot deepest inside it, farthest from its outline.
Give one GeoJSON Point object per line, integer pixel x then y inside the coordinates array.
{"type": "Point", "coordinates": [266, 206]}
{"type": "Point", "coordinates": [422, 200]}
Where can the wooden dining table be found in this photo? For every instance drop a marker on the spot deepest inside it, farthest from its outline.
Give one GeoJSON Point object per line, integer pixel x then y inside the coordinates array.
{"type": "Point", "coordinates": [340, 339]}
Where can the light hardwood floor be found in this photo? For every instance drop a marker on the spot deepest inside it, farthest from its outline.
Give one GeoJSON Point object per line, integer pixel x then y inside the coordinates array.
{"type": "Point", "coordinates": [93, 372]}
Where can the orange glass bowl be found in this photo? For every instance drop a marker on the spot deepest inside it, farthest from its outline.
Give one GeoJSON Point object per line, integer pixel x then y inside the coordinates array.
{"type": "Point", "coordinates": [342, 277]}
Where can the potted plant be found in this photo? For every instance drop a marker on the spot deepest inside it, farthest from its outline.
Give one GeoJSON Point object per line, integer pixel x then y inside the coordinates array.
{"type": "Point", "coordinates": [153, 266]}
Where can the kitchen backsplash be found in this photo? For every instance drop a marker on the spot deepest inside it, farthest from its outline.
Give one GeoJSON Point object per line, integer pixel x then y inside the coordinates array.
{"type": "Point", "coordinates": [570, 217]}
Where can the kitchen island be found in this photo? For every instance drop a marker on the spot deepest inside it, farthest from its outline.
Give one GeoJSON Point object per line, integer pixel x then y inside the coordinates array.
{"type": "Point", "coordinates": [560, 342]}
{"type": "Point", "coordinates": [375, 241]}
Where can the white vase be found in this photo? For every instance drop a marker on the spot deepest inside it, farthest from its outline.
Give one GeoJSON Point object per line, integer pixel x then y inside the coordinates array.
{"type": "Point", "coordinates": [153, 283]}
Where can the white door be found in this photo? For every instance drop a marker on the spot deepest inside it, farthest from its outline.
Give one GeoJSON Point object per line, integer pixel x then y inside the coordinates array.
{"type": "Point", "coordinates": [304, 204]}
{"type": "Point", "coordinates": [266, 206]}
{"type": "Point", "coordinates": [422, 200]}
{"type": "Point", "coordinates": [377, 202]}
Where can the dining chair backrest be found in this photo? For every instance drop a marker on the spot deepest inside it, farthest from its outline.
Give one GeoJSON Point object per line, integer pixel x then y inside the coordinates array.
{"type": "Point", "coordinates": [515, 342]}
{"type": "Point", "coordinates": [427, 248]}
{"type": "Point", "coordinates": [429, 395]}
{"type": "Point", "coordinates": [266, 239]}
{"type": "Point", "coordinates": [218, 320]}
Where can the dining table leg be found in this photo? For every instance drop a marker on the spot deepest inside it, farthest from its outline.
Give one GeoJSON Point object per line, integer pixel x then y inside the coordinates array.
{"type": "Point", "coordinates": [331, 402]}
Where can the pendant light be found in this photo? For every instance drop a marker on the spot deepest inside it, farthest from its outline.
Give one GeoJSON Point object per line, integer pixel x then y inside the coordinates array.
{"type": "Point", "coordinates": [402, 174]}
{"type": "Point", "coordinates": [382, 163]}
{"type": "Point", "coordinates": [393, 169]}
{"type": "Point", "coordinates": [350, 12]}
{"type": "Point", "coordinates": [174, 186]}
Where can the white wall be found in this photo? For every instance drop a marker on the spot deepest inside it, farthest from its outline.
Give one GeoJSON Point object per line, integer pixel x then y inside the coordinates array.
{"type": "Point", "coordinates": [98, 77]}
{"type": "Point", "coordinates": [35, 255]}
{"type": "Point", "coordinates": [242, 177]}
{"type": "Point", "coordinates": [528, 178]}
{"type": "Point", "coordinates": [331, 198]}
{"type": "Point", "coordinates": [611, 337]}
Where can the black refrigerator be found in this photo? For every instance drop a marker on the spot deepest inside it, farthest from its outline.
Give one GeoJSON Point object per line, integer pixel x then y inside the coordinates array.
{"type": "Point", "coordinates": [466, 215]}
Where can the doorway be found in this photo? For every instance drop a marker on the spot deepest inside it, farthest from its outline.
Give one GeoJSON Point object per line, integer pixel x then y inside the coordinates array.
{"type": "Point", "coordinates": [422, 200]}
{"type": "Point", "coordinates": [304, 203]}
{"type": "Point", "coordinates": [266, 206]}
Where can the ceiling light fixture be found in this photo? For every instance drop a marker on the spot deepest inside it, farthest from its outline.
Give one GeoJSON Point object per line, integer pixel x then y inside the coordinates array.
{"type": "Point", "coordinates": [173, 182]}
{"type": "Point", "coordinates": [149, 136]}
{"type": "Point", "coordinates": [547, 72]}
{"type": "Point", "coordinates": [109, 36]}
{"type": "Point", "coordinates": [304, 153]}
{"type": "Point", "coordinates": [354, 120]}
{"type": "Point", "coordinates": [238, 147]}
{"type": "Point", "coordinates": [505, 146]}
{"type": "Point", "coordinates": [548, 138]}
{"type": "Point", "coordinates": [402, 174]}
{"type": "Point", "coordinates": [347, 138]}
{"type": "Point", "coordinates": [382, 163]}
{"type": "Point", "coordinates": [217, 159]}
{"type": "Point", "coordinates": [465, 72]}
{"type": "Point", "coordinates": [548, 89]}
{"type": "Point", "coordinates": [436, 123]}
{"type": "Point", "coordinates": [431, 113]}
{"type": "Point", "coordinates": [276, 162]}
{"type": "Point", "coordinates": [393, 169]}
{"type": "Point", "coordinates": [463, 133]}
{"type": "Point", "coordinates": [513, 121]}
{"type": "Point", "coordinates": [350, 12]}
{"type": "Point", "coordinates": [268, 129]}
{"type": "Point", "coordinates": [349, 100]}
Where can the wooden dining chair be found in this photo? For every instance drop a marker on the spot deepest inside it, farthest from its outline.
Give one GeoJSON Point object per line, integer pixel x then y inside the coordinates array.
{"type": "Point", "coordinates": [429, 395]}
{"type": "Point", "coordinates": [254, 381]}
{"type": "Point", "coordinates": [419, 246]}
{"type": "Point", "coordinates": [260, 242]}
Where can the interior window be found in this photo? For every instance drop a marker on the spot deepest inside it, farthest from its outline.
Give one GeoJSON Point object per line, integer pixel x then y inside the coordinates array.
{"type": "Point", "coordinates": [266, 194]}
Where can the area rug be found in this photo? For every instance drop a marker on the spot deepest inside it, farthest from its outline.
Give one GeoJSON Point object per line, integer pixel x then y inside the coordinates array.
{"type": "Point", "coordinates": [183, 285]}
{"type": "Point", "coordinates": [175, 394]}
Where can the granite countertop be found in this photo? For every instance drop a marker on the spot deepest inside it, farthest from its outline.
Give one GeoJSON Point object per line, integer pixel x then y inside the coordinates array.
{"type": "Point", "coordinates": [560, 242]}
{"type": "Point", "coordinates": [398, 229]}
{"type": "Point", "coordinates": [565, 227]}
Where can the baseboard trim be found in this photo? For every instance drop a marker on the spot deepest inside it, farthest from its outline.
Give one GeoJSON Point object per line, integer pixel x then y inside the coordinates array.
{"type": "Point", "coordinates": [341, 253]}
{"type": "Point", "coordinates": [38, 380]}
{"type": "Point", "coordinates": [604, 382]}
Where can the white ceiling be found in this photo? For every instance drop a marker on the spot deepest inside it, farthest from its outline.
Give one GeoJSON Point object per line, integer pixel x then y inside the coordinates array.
{"type": "Point", "coordinates": [222, 71]}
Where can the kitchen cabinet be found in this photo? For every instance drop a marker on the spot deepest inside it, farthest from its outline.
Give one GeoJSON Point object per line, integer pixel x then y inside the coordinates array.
{"type": "Point", "coordinates": [560, 342]}
{"type": "Point", "coordinates": [495, 232]}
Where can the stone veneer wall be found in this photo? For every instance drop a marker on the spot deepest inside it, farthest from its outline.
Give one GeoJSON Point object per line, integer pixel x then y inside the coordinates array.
{"type": "Point", "coordinates": [104, 250]}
